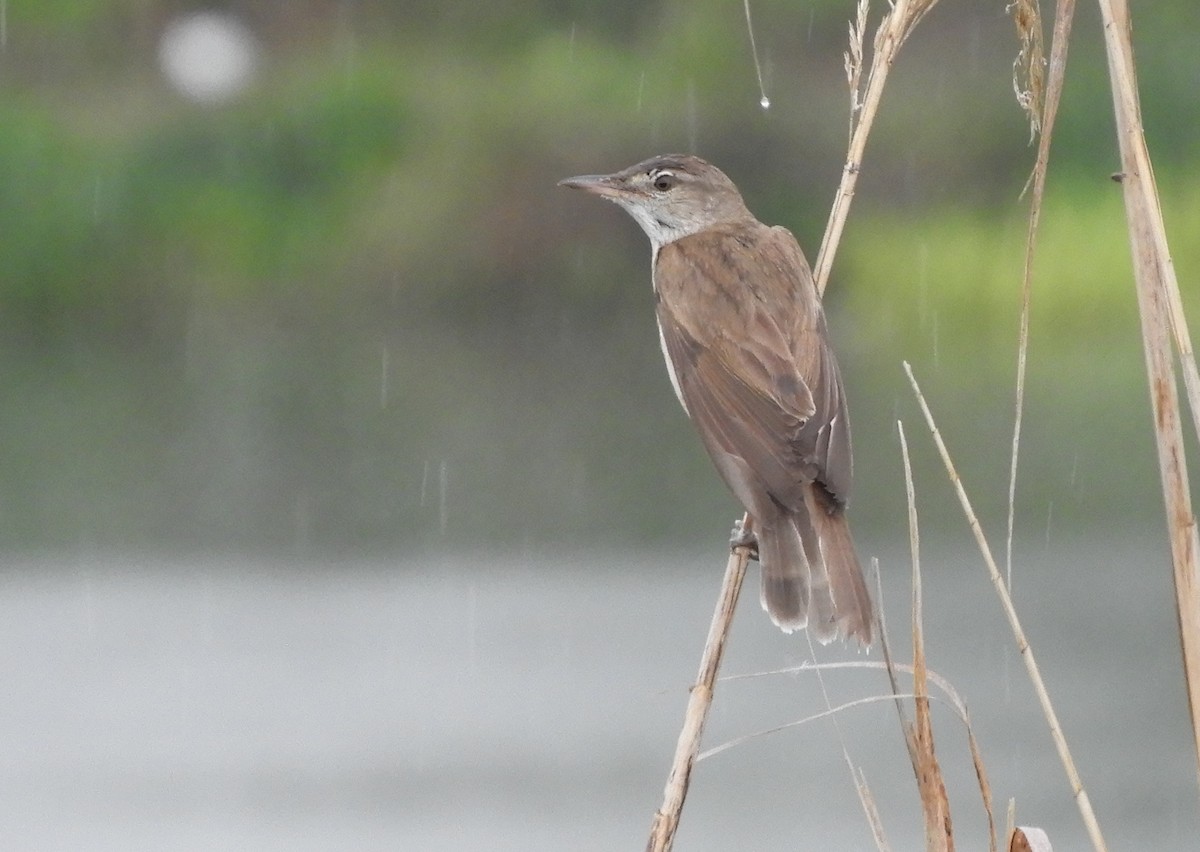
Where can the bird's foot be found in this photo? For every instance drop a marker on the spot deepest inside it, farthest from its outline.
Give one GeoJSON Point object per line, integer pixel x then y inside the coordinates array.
{"type": "Point", "coordinates": [743, 536]}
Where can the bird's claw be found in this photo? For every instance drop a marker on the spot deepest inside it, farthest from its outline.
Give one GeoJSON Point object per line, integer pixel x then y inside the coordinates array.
{"type": "Point", "coordinates": [742, 537]}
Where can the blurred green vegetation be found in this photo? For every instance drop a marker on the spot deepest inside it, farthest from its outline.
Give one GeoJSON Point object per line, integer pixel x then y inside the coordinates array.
{"type": "Point", "coordinates": [349, 309]}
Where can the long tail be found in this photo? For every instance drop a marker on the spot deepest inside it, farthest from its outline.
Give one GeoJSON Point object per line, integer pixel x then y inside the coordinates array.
{"type": "Point", "coordinates": [851, 611]}
{"type": "Point", "coordinates": [811, 576]}
{"type": "Point", "coordinates": [785, 594]}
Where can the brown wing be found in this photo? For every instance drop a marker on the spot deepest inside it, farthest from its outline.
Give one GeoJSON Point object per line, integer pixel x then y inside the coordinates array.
{"type": "Point", "coordinates": [829, 428]}
{"type": "Point", "coordinates": [743, 330]}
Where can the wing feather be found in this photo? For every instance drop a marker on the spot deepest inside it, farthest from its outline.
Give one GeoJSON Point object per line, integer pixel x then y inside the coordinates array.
{"type": "Point", "coordinates": [747, 348]}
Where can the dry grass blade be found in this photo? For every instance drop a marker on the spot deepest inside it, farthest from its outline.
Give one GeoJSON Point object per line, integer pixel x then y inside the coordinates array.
{"type": "Point", "coordinates": [949, 696]}
{"type": "Point", "coordinates": [796, 723]}
{"type": "Point", "coordinates": [939, 831]}
{"type": "Point", "coordinates": [853, 59]}
{"type": "Point", "coordinates": [1161, 311]}
{"type": "Point", "coordinates": [1029, 68]}
{"type": "Point", "coordinates": [1058, 66]}
{"type": "Point", "coordinates": [872, 812]}
{"type": "Point", "coordinates": [860, 780]}
{"type": "Point", "coordinates": [985, 789]}
{"type": "Point", "coordinates": [896, 26]}
{"type": "Point", "coordinates": [894, 682]}
{"type": "Point", "coordinates": [1081, 797]}
{"type": "Point", "coordinates": [666, 820]}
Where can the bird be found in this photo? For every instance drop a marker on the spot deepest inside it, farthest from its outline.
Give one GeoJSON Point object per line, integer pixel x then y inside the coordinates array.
{"type": "Point", "coordinates": [744, 336]}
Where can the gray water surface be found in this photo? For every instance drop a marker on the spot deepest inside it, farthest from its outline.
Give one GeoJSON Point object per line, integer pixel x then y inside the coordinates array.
{"type": "Point", "coordinates": [483, 702]}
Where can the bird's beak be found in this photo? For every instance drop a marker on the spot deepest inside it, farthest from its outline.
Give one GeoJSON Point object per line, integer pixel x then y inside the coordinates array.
{"type": "Point", "coordinates": [606, 186]}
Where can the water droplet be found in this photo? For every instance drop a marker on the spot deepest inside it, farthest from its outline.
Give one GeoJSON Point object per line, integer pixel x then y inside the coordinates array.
{"type": "Point", "coordinates": [208, 56]}
{"type": "Point", "coordinates": [765, 102]}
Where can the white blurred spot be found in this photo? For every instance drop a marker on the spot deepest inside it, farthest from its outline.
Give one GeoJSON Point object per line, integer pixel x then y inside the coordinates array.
{"type": "Point", "coordinates": [208, 56]}
{"type": "Point", "coordinates": [765, 103]}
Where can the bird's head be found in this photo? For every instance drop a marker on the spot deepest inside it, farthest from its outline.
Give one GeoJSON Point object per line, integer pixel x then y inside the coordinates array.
{"type": "Point", "coordinates": [670, 196]}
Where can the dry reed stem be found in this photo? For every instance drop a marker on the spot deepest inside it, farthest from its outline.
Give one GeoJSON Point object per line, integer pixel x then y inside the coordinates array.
{"type": "Point", "coordinates": [985, 789]}
{"type": "Point", "coordinates": [896, 26]}
{"type": "Point", "coordinates": [1161, 311]}
{"type": "Point", "coordinates": [1081, 797]}
{"type": "Point", "coordinates": [939, 831]}
{"type": "Point", "coordinates": [666, 820]}
{"type": "Point", "coordinates": [1053, 94]}
{"type": "Point", "coordinates": [1122, 70]}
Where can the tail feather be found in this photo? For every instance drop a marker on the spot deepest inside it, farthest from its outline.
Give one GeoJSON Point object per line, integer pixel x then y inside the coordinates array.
{"type": "Point", "coordinates": [851, 601]}
{"type": "Point", "coordinates": [785, 594]}
{"type": "Point", "coordinates": [823, 615]}
{"type": "Point", "coordinates": [811, 576]}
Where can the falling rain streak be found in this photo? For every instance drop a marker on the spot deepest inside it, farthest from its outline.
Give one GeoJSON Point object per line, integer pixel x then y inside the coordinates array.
{"type": "Point", "coordinates": [937, 362]}
{"type": "Point", "coordinates": [472, 622]}
{"type": "Point", "coordinates": [443, 483]}
{"type": "Point", "coordinates": [96, 200]}
{"type": "Point", "coordinates": [692, 117]}
{"type": "Point", "coordinates": [765, 102]}
{"type": "Point", "coordinates": [383, 377]}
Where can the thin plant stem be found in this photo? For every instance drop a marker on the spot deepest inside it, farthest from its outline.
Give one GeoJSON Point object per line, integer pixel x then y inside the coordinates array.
{"type": "Point", "coordinates": [1058, 63]}
{"type": "Point", "coordinates": [666, 820]}
{"type": "Point", "coordinates": [1023, 647]}
{"type": "Point", "coordinates": [939, 834]}
{"type": "Point", "coordinates": [1161, 314]}
{"type": "Point", "coordinates": [899, 22]}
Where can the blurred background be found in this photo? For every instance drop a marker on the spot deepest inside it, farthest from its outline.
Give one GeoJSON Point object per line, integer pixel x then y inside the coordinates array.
{"type": "Point", "coordinates": [344, 498]}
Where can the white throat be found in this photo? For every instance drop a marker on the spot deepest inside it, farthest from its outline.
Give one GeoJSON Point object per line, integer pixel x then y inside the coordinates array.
{"type": "Point", "coordinates": [658, 230]}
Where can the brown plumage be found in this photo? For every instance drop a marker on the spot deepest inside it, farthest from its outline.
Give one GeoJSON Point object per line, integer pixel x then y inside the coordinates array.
{"type": "Point", "coordinates": [744, 336]}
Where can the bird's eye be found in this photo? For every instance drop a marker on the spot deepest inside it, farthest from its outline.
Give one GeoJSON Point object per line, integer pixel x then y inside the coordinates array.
{"type": "Point", "coordinates": [664, 181]}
